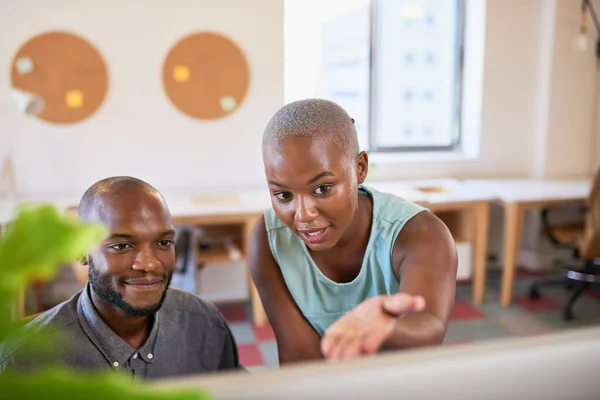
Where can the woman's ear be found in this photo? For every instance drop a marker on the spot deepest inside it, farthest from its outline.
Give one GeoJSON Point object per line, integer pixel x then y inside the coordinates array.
{"type": "Point", "coordinates": [362, 167]}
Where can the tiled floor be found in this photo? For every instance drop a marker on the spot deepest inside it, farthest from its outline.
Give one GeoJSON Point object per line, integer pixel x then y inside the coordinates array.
{"type": "Point", "coordinates": [525, 317]}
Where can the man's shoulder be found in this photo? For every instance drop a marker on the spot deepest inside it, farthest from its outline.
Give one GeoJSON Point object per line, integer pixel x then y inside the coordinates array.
{"type": "Point", "coordinates": [180, 302]}
{"type": "Point", "coordinates": [61, 317]}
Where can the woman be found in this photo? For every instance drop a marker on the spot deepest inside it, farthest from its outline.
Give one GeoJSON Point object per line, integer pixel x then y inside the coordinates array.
{"type": "Point", "coordinates": [343, 270]}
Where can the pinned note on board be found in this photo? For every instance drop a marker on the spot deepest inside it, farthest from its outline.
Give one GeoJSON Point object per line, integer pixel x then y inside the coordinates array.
{"type": "Point", "coordinates": [181, 73]}
{"type": "Point", "coordinates": [27, 103]}
{"type": "Point", "coordinates": [74, 99]}
{"type": "Point", "coordinates": [24, 65]}
{"type": "Point", "coordinates": [228, 103]}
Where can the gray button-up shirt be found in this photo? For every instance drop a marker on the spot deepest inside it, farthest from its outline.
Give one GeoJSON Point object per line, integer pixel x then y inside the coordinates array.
{"type": "Point", "coordinates": [188, 336]}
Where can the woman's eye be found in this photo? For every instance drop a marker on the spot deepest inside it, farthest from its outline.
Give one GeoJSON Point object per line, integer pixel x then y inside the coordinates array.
{"type": "Point", "coordinates": [120, 246]}
{"type": "Point", "coordinates": [283, 195]}
{"type": "Point", "coordinates": [323, 189]}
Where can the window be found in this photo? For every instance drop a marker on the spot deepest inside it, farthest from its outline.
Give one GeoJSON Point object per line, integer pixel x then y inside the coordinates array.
{"type": "Point", "coordinates": [394, 65]}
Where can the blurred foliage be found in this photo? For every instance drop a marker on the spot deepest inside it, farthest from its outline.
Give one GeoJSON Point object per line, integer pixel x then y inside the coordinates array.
{"type": "Point", "coordinates": [34, 245]}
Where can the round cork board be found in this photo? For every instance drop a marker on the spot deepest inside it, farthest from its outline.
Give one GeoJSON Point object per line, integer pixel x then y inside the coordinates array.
{"type": "Point", "coordinates": [66, 71]}
{"type": "Point", "coordinates": [206, 76]}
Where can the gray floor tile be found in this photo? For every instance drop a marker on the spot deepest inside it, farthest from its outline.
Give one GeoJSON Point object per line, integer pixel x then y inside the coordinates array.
{"type": "Point", "coordinates": [242, 332]}
{"type": "Point", "coordinates": [480, 329]}
{"type": "Point", "coordinates": [554, 319]}
{"type": "Point", "coordinates": [523, 323]}
{"type": "Point", "coordinates": [269, 352]}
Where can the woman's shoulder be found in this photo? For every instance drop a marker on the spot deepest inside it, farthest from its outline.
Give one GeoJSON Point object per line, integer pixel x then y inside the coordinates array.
{"type": "Point", "coordinates": [393, 208]}
{"type": "Point", "coordinates": [271, 221]}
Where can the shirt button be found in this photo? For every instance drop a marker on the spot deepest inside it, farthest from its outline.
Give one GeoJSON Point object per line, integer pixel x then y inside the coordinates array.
{"type": "Point", "coordinates": [135, 356]}
{"type": "Point", "coordinates": [150, 356]}
{"type": "Point", "coordinates": [116, 364]}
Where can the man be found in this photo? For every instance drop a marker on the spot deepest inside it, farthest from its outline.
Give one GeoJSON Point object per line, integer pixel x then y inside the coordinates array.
{"type": "Point", "coordinates": [126, 318]}
{"type": "Point", "coordinates": [343, 270]}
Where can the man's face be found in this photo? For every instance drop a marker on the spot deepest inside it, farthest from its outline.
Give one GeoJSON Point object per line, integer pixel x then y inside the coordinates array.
{"type": "Point", "coordinates": [133, 266]}
{"type": "Point", "coordinates": [313, 187]}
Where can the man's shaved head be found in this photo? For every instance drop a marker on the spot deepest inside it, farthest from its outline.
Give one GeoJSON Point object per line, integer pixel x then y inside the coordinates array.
{"type": "Point", "coordinates": [314, 118]}
{"type": "Point", "coordinates": [113, 186]}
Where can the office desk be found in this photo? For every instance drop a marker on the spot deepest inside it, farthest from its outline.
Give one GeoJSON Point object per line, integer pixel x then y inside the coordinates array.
{"type": "Point", "coordinates": [465, 210]}
{"type": "Point", "coordinates": [554, 366]}
{"type": "Point", "coordinates": [518, 196]}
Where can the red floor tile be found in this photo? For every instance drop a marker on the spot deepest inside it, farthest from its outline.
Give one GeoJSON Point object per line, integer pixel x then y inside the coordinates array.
{"type": "Point", "coordinates": [523, 274]}
{"type": "Point", "coordinates": [594, 293]}
{"type": "Point", "coordinates": [263, 333]}
{"type": "Point", "coordinates": [250, 355]}
{"type": "Point", "coordinates": [539, 305]}
{"type": "Point", "coordinates": [463, 310]}
{"type": "Point", "coordinates": [234, 313]}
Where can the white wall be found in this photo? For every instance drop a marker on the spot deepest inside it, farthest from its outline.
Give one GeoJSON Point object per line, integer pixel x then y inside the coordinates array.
{"type": "Point", "coordinates": [537, 112]}
{"type": "Point", "coordinates": [571, 117]}
{"type": "Point", "coordinates": [565, 134]}
{"type": "Point", "coordinates": [137, 131]}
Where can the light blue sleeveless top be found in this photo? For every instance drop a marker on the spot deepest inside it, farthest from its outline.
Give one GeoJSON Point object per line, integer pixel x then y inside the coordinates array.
{"type": "Point", "coordinates": [321, 300]}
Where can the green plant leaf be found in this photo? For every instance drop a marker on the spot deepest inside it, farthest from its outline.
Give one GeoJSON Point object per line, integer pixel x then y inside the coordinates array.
{"type": "Point", "coordinates": [35, 244]}
{"type": "Point", "coordinates": [39, 239]}
{"type": "Point", "coordinates": [66, 385]}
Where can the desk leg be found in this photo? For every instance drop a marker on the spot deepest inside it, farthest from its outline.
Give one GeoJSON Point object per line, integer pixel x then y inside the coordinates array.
{"type": "Point", "coordinates": [513, 226]}
{"type": "Point", "coordinates": [481, 218]}
{"type": "Point", "coordinates": [258, 312]}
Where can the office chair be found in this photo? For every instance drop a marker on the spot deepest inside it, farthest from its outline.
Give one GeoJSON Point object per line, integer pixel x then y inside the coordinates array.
{"type": "Point", "coordinates": [184, 275]}
{"type": "Point", "coordinates": [183, 244]}
{"type": "Point", "coordinates": [584, 241]}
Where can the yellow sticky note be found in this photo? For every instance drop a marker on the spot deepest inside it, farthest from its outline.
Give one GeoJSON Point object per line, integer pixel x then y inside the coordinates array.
{"type": "Point", "coordinates": [181, 73]}
{"type": "Point", "coordinates": [74, 99]}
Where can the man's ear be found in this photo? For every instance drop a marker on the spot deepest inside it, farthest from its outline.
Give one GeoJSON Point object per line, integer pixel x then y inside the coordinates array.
{"type": "Point", "coordinates": [83, 260]}
{"type": "Point", "coordinates": [362, 167]}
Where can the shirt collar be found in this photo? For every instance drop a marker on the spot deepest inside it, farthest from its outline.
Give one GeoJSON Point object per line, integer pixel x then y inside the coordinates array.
{"type": "Point", "coordinates": [115, 349]}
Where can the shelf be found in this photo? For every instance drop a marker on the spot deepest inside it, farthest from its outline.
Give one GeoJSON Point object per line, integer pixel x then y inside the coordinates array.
{"type": "Point", "coordinates": [217, 253]}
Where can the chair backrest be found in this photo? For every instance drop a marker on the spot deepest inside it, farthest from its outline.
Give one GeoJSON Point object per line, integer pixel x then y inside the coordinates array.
{"type": "Point", "coordinates": [590, 245]}
{"type": "Point", "coordinates": [182, 249]}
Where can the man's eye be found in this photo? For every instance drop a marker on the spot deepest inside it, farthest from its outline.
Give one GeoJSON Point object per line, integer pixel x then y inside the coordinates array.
{"type": "Point", "coordinates": [120, 246]}
{"type": "Point", "coordinates": [283, 195]}
{"type": "Point", "coordinates": [323, 189]}
{"type": "Point", "coordinates": [165, 243]}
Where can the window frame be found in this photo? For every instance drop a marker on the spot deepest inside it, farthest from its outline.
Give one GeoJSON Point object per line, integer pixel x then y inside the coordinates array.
{"type": "Point", "coordinates": [457, 134]}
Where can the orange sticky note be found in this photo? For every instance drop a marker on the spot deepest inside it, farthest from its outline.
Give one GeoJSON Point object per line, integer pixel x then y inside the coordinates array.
{"type": "Point", "coordinates": [74, 99]}
{"type": "Point", "coordinates": [181, 73]}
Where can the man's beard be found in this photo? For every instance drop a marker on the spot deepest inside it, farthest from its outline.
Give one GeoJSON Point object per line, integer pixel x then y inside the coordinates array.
{"type": "Point", "coordinates": [103, 287]}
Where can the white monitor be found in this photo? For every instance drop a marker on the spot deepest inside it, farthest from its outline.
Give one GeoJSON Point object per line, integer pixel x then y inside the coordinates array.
{"type": "Point", "coordinates": [554, 366]}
